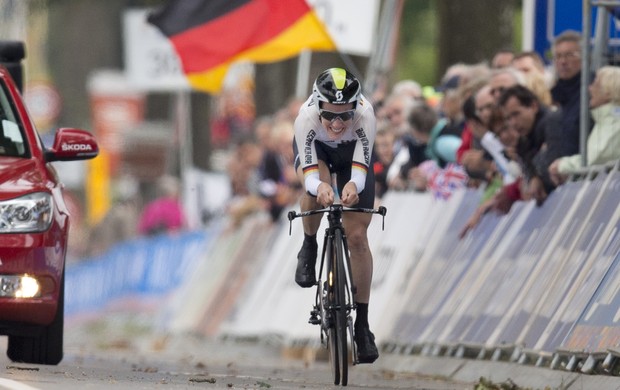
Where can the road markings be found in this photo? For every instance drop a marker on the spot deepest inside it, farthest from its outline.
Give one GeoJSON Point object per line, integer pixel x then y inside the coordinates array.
{"type": "Point", "coordinates": [9, 384]}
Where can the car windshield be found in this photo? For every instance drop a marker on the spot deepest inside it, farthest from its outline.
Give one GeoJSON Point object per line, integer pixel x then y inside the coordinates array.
{"type": "Point", "coordinates": [11, 137]}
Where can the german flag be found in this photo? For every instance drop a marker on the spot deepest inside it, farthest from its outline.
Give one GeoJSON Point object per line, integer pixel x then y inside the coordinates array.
{"type": "Point", "coordinates": [209, 35]}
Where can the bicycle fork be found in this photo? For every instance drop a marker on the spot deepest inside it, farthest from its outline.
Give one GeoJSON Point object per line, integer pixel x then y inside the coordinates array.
{"type": "Point", "coordinates": [350, 299]}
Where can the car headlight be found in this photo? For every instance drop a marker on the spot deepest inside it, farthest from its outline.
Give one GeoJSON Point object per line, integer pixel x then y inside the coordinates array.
{"type": "Point", "coordinates": [27, 214]}
{"type": "Point", "coordinates": [19, 286]}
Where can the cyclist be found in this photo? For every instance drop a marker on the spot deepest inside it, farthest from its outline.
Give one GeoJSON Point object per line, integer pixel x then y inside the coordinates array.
{"type": "Point", "coordinates": [334, 134]}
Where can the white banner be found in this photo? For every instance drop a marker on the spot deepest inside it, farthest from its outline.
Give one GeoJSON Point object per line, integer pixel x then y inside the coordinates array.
{"type": "Point", "coordinates": [150, 60]}
{"type": "Point", "coordinates": [351, 23]}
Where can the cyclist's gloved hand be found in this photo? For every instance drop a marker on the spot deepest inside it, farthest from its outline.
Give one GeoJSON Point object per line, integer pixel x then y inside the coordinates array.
{"type": "Point", "coordinates": [325, 195]}
{"type": "Point", "coordinates": [349, 196]}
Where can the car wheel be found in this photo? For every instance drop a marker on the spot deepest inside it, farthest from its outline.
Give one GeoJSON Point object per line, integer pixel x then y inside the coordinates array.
{"type": "Point", "coordinates": [47, 346]}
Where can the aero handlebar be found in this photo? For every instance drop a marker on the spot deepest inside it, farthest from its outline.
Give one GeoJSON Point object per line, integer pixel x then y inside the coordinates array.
{"type": "Point", "coordinates": [337, 208]}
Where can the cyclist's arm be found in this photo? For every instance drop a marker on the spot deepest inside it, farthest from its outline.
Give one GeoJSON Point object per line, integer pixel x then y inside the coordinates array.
{"type": "Point", "coordinates": [305, 137]}
{"type": "Point", "coordinates": [365, 131]}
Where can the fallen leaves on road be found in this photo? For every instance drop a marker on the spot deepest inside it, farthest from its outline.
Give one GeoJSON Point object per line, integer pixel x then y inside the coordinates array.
{"type": "Point", "coordinates": [202, 380]}
{"type": "Point", "coordinates": [22, 368]}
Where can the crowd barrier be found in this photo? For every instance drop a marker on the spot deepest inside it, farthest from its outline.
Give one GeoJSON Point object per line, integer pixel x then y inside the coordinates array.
{"type": "Point", "coordinates": [517, 287]}
{"type": "Point", "coordinates": [537, 286]}
{"type": "Point", "coordinates": [146, 267]}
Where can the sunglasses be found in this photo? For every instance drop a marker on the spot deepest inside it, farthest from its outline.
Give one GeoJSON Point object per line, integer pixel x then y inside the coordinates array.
{"type": "Point", "coordinates": [332, 116]}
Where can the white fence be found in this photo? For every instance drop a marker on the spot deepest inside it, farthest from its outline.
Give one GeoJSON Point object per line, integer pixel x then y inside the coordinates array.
{"type": "Point", "coordinates": [539, 284]}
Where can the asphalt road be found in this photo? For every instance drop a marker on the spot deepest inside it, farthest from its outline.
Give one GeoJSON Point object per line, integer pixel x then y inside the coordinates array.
{"type": "Point", "coordinates": [125, 352]}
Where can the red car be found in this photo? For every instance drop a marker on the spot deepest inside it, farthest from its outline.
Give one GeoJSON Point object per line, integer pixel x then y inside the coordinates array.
{"type": "Point", "coordinates": [34, 222]}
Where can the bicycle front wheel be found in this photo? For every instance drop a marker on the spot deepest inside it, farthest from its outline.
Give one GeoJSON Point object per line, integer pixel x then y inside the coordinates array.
{"type": "Point", "coordinates": [340, 317]}
{"type": "Point", "coordinates": [333, 342]}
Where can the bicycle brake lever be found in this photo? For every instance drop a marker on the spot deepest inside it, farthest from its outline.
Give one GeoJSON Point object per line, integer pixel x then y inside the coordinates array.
{"type": "Point", "coordinates": [382, 212]}
{"type": "Point", "coordinates": [291, 217]}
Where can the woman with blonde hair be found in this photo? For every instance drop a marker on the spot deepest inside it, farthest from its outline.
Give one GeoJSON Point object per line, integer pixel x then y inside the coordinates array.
{"type": "Point", "coordinates": [536, 83]}
{"type": "Point", "coordinates": [604, 140]}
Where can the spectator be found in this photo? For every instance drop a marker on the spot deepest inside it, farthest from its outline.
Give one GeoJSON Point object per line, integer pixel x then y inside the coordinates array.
{"type": "Point", "coordinates": [566, 92]}
{"type": "Point", "coordinates": [439, 147]}
{"type": "Point", "coordinates": [502, 79]}
{"type": "Point", "coordinates": [500, 142]}
{"type": "Point", "coordinates": [450, 105]}
{"type": "Point", "coordinates": [384, 155]}
{"type": "Point", "coordinates": [395, 112]}
{"type": "Point", "coordinates": [502, 58]}
{"type": "Point", "coordinates": [536, 83]}
{"type": "Point", "coordinates": [413, 149]}
{"type": "Point", "coordinates": [491, 118]}
{"type": "Point", "coordinates": [290, 110]}
{"type": "Point", "coordinates": [471, 154]}
{"type": "Point", "coordinates": [458, 69]}
{"type": "Point", "coordinates": [541, 138]}
{"type": "Point", "coordinates": [262, 130]}
{"type": "Point", "coordinates": [528, 62]}
{"type": "Point", "coordinates": [474, 76]}
{"type": "Point", "coordinates": [410, 88]}
{"type": "Point", "coordinates": [278, 180]}
{"type": "Point", "coordinates": [604, 140]}
{"type": "Point", "coordinates": [232, 116]}
{"type": "Point", "coordinates": [509, 137]}
{"type": "Point", "coordinates": [468, 141]}
{"type": "Point", "coordinates": [396, 109]}
{"type": "Point", "coordinates": [120, 222]}
{"type": "Point", "coordinates": [536, 77]}
{"type": "Point", "coordinates": [423, 120]}
{"type": "Point", "coordinates": [243, 164]}
{"type": "Point", "coordinates": [477, 77]}
{"type": "Point", "coordinates": [164, 214]}
{"type": "Point", "coordinates": [242, 169]}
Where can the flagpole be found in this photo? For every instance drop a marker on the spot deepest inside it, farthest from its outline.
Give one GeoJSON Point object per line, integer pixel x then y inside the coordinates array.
{"type": "Point", "coordinates": [385, 46]}
{"type": "Point", "coordinates": [183, 120]}
{"type": "Point", "coordinates": [303, 73]}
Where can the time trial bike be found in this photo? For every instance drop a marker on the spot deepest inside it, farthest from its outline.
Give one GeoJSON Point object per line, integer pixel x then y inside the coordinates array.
{"type": "Point", "coordinates": [335, 291]}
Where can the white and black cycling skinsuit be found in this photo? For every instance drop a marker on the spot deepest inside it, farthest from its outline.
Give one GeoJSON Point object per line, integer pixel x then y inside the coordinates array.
{"type": "Point", "coordinates": [349, 157]}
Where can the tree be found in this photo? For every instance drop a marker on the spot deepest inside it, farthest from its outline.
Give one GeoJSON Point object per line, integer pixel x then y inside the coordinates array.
{"type": "Point", "coordinates": [471, 31]}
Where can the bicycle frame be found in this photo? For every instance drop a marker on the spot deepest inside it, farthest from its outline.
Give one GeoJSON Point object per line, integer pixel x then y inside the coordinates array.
{"type": "Point", "coordinates": [335, 223]}
{"type": "Point", "coordinates": [334, 299]}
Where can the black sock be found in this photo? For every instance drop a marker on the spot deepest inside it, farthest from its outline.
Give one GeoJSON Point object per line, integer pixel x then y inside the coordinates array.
{"type": "Point", "coordinates": [361, 319]}
{"type": "Point", "coordinates": [310, 238]}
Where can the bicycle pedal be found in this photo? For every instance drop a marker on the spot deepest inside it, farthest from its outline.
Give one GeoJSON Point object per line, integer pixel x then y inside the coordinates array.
{"type": "Point", "coordinates": [314, 318]}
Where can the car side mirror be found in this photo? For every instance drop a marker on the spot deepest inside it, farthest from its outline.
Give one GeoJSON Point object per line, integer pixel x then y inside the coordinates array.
{"type": "Point", "coordinates": [72, 144]}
